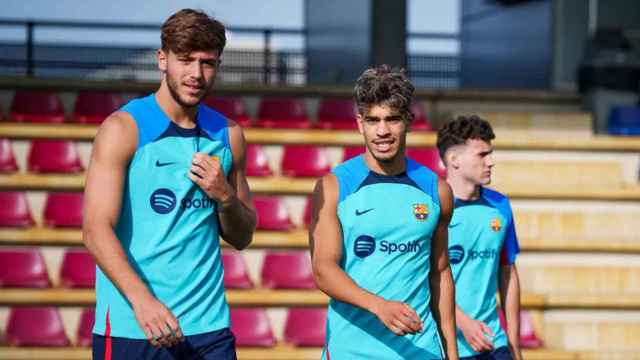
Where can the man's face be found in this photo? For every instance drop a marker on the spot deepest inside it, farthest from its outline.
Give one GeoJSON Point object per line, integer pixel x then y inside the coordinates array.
{"type": "Point", "coordinates": [474, 160]}
{"type": "Point", "coordinates": [189, 76]}
{"type": "Point", "coordinates": [385, 132]}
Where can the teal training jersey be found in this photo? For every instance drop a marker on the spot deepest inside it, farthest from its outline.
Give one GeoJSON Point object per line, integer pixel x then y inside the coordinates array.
{"type": "Point", "coordinates": [387, 227]}
{"type": "Point", "coordinates": [481, 237]}
{"type": "Point", "coordinates": [168, 227]}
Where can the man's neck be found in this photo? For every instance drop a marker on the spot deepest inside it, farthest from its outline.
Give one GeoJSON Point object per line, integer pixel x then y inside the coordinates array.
{"type": "Point", "coordinates": [394, 167]}
{"type": "Point", "coordinates": [181, 116]}
{"type": "Point", "coordinates": [463, 189]}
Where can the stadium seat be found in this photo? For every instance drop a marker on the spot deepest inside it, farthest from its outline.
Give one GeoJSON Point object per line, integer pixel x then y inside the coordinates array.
{"type": "Point", "coordinates": [36, 326]}
{"type": "Point", "coordinates": [85, 329]}
{"type": "Point", "coordinates": [308, 209]}
{"type": "Point", "coordinates": [23, 268]}
{"type": "Point", "coordinates": [231, 107]}
{"type": "Point", "coordinates": [420, 120]}
{"type": "Point", "coordinates": [305, 161]}
{"type": "Point", "coordinates": [287, 270]}
{"type": "Point", "coordinates": [336, 113]}
{"type": "Point", "coordinates": [36, 106]}
{"type": "Point", "coordinates": [78, 269]}
{"type": "Point", "coordinates": [528, 337]}
{"type": "Point", "coordinates": [306, 326]}
{"type": "Point", "coordinates": [92, 107]}
{"type": "Point", "coordinates": [428, 157]}
{"type": "Point", "coordinates": [624, 120]}
{"type": "Point", "coordinates": [282, 112]}
{"type": "Point", "coordinates": [352, 151]}
{"type": "Point", "coordinates": [7, 159]}
{"type": "Point", "coordinates": [54, 156]}
{"type": "Point", "coordinates": [236, 275]}
{"type": "Point", "coordinates": [272, 213]}
{"type": "Point", "coordinates": [63, 210]}
{"type": "Point", "coordinates": [15, 211]}
{"type": "Point", "coordinates": [251, 327]}
{"type": "Point", "coordinates": [257, 162]}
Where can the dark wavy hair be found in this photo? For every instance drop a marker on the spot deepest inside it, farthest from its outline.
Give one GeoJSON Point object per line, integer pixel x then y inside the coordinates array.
{"type": "Point", "coordinates": [458, 131]}
{"type": "Point", "coordinates": [384, 85]}
{"type": "Point", "coordinates": [191, 30]}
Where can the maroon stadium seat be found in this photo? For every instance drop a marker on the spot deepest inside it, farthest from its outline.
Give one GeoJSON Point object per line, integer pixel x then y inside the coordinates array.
{"type": "Point", "coordinates": [251, 327]}
{"type": "Point", "coordinates": [428, 157]}
{"type": "Point", "coordinates": [257, 162]}
{"type": "Point", "coordinates": [272, 213]}
{"type": "Point", "coordinates": [287, 270]}
{"type": "Point", "coordinates": [236, 275]}
{"type": "Point", "coordinates": [7, 160]}
{"type": "Point", "coordinates": [36, 326]}
{"type": "Point", "coordinates": [14, 211]}
{"type": "Point", "coordinates": [337, 114]}
{"type": "Point", "coordinates": [282, 112]}
{"type": "Point", "coordinates": [230, 106]}
{"type": "Point", "coordinates": [23, 268]}
{"type": "Point", "coordinates": [92, 107]}
{"type": "Point", "coordinates": [420, 120]}
{"type": "Point", "coordinates": [78, 269]}
{"type": "Point", "coordinates": [63, 210]}
{"type": "Point", "coordinates": [305, 161]}
{"type": "Point", "coordinates": [36, 106]}
{"type": "Point", "coordinates": [352, 151]}
{"type": "Point", "coordinates": [306, 326]}
{"type": "Point", "coordinates": [85, 329]}
{"type": "Point", "coordinates": [54, 156]}
{"type": "Point", "coordinates": [308, 208]}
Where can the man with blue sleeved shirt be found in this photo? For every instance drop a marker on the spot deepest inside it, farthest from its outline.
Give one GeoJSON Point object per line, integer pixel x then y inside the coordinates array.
{"type": "Point", "coordinates": [482, 244]}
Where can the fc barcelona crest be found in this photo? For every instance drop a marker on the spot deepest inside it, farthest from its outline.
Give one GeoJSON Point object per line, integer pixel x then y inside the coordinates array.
{"type": "Point", "coordinates": [420, 211]}
{"type": "Point", "coordinates": [496, 225]}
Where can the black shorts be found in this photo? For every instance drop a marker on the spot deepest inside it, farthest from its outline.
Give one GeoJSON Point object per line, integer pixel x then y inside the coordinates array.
{"type": "Point", "coordinates": [219, 345]}
{"type": "Point", "coordinates": [501, 353]}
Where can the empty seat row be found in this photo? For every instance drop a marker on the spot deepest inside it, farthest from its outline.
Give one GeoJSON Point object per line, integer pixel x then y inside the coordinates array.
{"type": "Point", "coordinates": [26, 268]}
{"type": "Point", "coordinates": [45, 156]}
{"type": "Point", "coordinates": [61, 210]}
{"type": "Point", "coordinates": [273, 112]}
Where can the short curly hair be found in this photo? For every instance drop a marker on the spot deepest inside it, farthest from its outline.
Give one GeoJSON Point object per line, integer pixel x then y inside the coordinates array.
{"type": "Point", "coordinates": [458, 131]}
{"type": "Point", "coordinates": [384, 85]}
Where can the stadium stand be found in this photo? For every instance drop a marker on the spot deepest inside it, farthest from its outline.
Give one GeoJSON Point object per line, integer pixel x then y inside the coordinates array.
{"type": "Point", "coordinates": [36, 326]}
{"type": "Point", "coordinates": [337, 113]}
{"type": "Point", "coordinates": [7, 159]}
{"type": "Point", "coordinates": [15, 211]}
{"type": "Point", "coordinates": [298, 275]}
{"type": "Point", "coordinates": [92, 107]}
{"type": "Point", "coordinates": [272, 213]}
{"type": "Point", "coordinates": [23, 268]}
{"type": "Point", "coordinates": [84, 334]}
{"type": "Point", "coordinates": [78, 269]}
{"type": "Point", "coordinates": [236, 275]}
{"type": "Point", "coordinates": [257, 162]}
{"type": "Point", "coordinates": [305, 326]}
{"type": "Point", "coordinates": [36, 107]}
{"type": "Point", "coordinates": [305, 161]}
{"type": "Point", "coordinates": [282, 112]}
{"type": "Point", "coordinates": [54, 156]}
{"type": "Point", "coordinates": [63, 210]}
{"type": "Point", "coordinates": [251, 327]}
{"type": "Point", "coordinates": [230, 106]}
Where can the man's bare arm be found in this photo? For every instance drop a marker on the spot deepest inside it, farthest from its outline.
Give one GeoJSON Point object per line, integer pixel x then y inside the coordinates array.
{"type": "Point", "coordinates": [325, 243]}
{"type": "Point", "coordinates": [440, 277]}
{"type": "Point", "coordinates": [510, 299]}
{"type": "Point", "coordinates": [113, 148]}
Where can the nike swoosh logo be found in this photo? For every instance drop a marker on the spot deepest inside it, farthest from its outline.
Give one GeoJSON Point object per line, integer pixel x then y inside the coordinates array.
{"type": "Point", "coordinates": [454, 225]}
{"type": "Point", "coordinates": [358, 212]}
{"type": "Point", "coordinates": [159, 164]}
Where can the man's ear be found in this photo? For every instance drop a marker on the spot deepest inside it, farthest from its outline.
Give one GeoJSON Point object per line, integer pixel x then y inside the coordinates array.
{"type": "Point", "coordinates": [162, 60]}
{"type": "Point", "coordinates": [359, 120]}
{"type": "Point", "coordinates": [453, 159]}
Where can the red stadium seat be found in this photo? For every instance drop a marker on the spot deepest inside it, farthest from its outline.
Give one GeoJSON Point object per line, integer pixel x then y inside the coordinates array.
{"type": "Point", "coordinates": [7, 160]}
{"type": "Point", "coordinates": [308, 209]}
{"type": "Point", "coordinates": [351, 152]}
{"type": "Point", "coordinates": [528, 337]}
{"type": "Point", "coordinates": [337, 114]}
{"type": "Point", "coordinates": [298, 273]}
{"type": "Point", "coordinates": [251, 327]}
{"type": "Point", "coordinates": [36, 106]}
{"type": "Point", "coordinates": [282, 112]}
{"type": "Point", "coordinates": [78, 269]}
{"type": "Point", "coordinates": [236, 275]}
{"type": "Point", "coordinates": [257, 162]}
{"type": "Point", "coordinates": [63, 210]}
{"type": "Point", "coordinates": [15, 211]}
{"type": "Point", "coordinates": [230, 106]}
{"type": "Point", "coordinates": [420, 120]}
{"type": "Point", "coordinates": [54, 156]}
{"type": "Point", "coordinates": [36, 326]}
{"type": "Point", "coordinates": [92, 107]}
{"type": "Point", "coordinates": [305, 161]}
{"type": "Point", "coordinates": [272, 213]}
{"type": "Point", "coordinates": [428, 157]}
{"type": "Point", "coordinates": [85, 329]}
{"type": "Point", "coordinates": [23, 268]}
{"type": "Point", "coordinates": [306, 327]}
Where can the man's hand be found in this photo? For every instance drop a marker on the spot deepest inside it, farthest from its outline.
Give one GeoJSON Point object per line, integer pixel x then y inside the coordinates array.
{"type": "Point", "coordinates": [398, 317]}
{"type": "Point", "coordinates": [207, 173]}
{"type": "Point", "coordinates": [158, 323]}
{"type": "Point", "coordinates": [475, 332]}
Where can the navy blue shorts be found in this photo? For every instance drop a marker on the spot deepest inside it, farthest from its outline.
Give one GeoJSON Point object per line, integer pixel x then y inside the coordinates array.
{"type": "Point", "coordinates": [501, 353]}
{"type": "Point", "coordinates": [219, 345]}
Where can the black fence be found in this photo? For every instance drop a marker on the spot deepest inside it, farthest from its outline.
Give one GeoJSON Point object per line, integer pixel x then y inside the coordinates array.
{"type": "Point", "coordinates": [263, 63]}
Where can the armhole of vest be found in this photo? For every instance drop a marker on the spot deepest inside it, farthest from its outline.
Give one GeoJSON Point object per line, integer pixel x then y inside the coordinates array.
{"type": "Point", "coordinates": [140, 129]}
